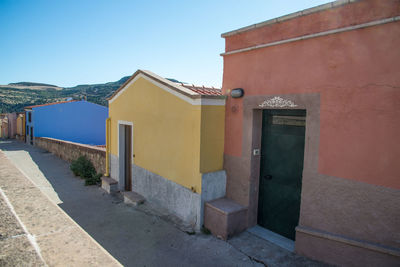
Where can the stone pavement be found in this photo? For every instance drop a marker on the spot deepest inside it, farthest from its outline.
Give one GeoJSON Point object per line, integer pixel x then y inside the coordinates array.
{"type": "Point", "coordinates": [36, 232]}
{"type": "Point", "coordinates": [134, 236]}
{"type": "Point", "coordinates": [268, 253]}
{"type": "Point", "coordinates": [15, 247]}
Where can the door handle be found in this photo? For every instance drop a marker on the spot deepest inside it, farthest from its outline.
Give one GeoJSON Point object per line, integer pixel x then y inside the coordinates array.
{"type": "Point", "coordinates": [267, 177]}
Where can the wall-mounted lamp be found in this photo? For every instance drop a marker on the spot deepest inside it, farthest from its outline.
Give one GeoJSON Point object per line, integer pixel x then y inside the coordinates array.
{"type": "Point", "coordinates": [237, 93]}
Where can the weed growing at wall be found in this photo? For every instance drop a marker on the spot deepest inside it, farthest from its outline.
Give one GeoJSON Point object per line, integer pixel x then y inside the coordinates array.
{"type": "Point", "coordinates": [84, 168]}
{"type": "Point", "coordinates": [93, 180]}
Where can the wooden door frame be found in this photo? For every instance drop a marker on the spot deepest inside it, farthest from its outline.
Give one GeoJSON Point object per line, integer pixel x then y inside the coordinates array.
{"type": "Point", "coordinates": [121, 153]}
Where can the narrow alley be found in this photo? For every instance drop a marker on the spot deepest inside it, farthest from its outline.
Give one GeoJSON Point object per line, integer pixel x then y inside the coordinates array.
{"type": "Point", "coordinates": [133, 236]}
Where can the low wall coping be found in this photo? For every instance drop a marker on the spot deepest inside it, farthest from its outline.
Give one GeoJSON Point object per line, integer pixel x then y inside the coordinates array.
{"type": "Point", "coordinates": [100, 150]}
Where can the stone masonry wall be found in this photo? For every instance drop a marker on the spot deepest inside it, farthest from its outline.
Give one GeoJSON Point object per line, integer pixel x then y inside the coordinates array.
{"type": "Point", "coordinates": [69, 151]}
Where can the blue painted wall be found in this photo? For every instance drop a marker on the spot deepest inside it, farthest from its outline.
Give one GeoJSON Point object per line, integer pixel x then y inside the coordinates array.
{"type": "Point", "coordinates": [81, 122]}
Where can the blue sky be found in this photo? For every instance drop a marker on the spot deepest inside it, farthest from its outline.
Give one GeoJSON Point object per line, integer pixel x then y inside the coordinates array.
{"type": "Point", "coordinates": [70, 42]}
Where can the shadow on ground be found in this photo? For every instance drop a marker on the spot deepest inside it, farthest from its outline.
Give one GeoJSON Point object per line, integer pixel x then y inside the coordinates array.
{"type": "Point", "coordinates": [134, 238]}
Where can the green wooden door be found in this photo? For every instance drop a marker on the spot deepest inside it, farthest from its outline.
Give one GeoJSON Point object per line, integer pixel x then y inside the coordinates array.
{"type": "Point", "coordinates": [281, 167]}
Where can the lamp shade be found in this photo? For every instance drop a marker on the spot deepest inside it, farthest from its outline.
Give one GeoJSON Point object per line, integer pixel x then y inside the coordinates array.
{"type": "Point", "coordinates": [237, 92]}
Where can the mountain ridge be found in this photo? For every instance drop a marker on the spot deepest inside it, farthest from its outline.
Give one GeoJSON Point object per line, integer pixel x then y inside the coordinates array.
{"type": "Point", "coordinates": [33, 84]}
{"type": "Point", "coordinates": [15, 96]}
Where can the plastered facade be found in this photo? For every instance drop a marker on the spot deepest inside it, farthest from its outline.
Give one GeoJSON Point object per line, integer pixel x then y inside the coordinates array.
{"type": "Point", "coordinates": [347, 81]}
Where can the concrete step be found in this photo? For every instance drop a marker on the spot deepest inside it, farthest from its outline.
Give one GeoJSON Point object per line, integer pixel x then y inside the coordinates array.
{"type": "Point", "coordinates": [133, 198]}
{"type": "Point", "coordinates": [109, 184]}
{"type": "Point", "coordinates": [224, 217]}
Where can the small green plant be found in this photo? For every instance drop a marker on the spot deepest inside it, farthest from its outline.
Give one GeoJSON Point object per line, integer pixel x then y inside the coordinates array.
{"type": "Point", "coordinates": [205, 231]}
{"type": "Point", "coordinates": [93, 180]}
{"type": "Point", "coordinates": [76, 166]}
{"type": "Point", "coordinates": [84, 168]}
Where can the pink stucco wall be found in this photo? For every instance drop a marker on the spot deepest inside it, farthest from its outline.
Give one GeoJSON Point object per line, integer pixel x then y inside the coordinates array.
{"type": "Point", "coordinates": [356, 73]}
{"type": "Point", "coordinates": [12, 124]}
{"type": "Point", "coordinates": [352, 14]}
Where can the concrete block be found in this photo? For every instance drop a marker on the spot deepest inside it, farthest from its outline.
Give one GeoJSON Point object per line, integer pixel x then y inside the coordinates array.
{"type": "Point", "coordinates": [133, 198]}
{"type": "Point", "coordinates": [225, 218]}
{"type": "Point", "coordinates": [213, 186]}
{"type": "Point", "coordinates": [109, 184]}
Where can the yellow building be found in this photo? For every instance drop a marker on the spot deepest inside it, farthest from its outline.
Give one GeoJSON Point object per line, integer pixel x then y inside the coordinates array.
{"type": "Point", "coordinates": [166, 142]}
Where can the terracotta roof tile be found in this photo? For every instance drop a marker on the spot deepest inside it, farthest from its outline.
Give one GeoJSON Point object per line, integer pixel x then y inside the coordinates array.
{"type": "Point", "coordinates": [202, 90]}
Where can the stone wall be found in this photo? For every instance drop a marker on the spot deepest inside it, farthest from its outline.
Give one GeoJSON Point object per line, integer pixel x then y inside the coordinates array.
{"type": "Point", "coordinates": [69, 151]}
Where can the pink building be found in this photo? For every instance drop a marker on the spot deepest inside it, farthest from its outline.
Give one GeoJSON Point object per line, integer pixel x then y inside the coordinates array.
{"type": "Point", "coordinates": [3, 126]}
{"type": "Point", "coordinates": [8, 126]}
{"type": "Point", "coordinates": [312, 149]}
{"type": "Point", "coordinates": [12, 124]}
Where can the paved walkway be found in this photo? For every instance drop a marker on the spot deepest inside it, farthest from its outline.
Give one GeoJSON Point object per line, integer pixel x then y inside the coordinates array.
{"type": "Point", "coordinates": [34, 231]}
{"type": "Point", "coordinates": [133, 236]}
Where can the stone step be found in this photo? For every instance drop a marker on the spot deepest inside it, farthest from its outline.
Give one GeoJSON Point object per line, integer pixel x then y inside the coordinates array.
{"type": "Point", "coordinates": [224, 217]}
{"type": "Point", "coordinates": [109, 184]}
{"type": "Point", "coordinates": [133, 198]}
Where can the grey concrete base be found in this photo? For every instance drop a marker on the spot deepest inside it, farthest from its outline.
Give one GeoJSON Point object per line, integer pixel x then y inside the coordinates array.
{"type": "Point", "coordinates": [114, 167]}
{"type": "Point", "coordinates": [109, 185]}
{"type": "Point", "coordinates": [177, 199]}
{"type": "Point", "coordinates": [213, 186]}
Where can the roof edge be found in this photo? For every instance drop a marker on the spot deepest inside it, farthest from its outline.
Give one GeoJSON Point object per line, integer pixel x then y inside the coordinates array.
{"type": "Point", "coordinates": [123, 85]}
{"type": "Point", "coordinates": [50, 104]}
{"type": "Point", "coordinates": [290, 16]}
{"type": "Point", "coordinates": [174, 86]}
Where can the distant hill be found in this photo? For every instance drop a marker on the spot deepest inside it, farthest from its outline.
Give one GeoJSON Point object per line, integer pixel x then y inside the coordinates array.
{"type": "Point", "coordinates": [174, 80]}
{"type": "Point", "coordinates": [96, 93]}
{"type": "Point", "coordinates": [32, 84]}
{"type": "Point", "coordinates": [15, 96]}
